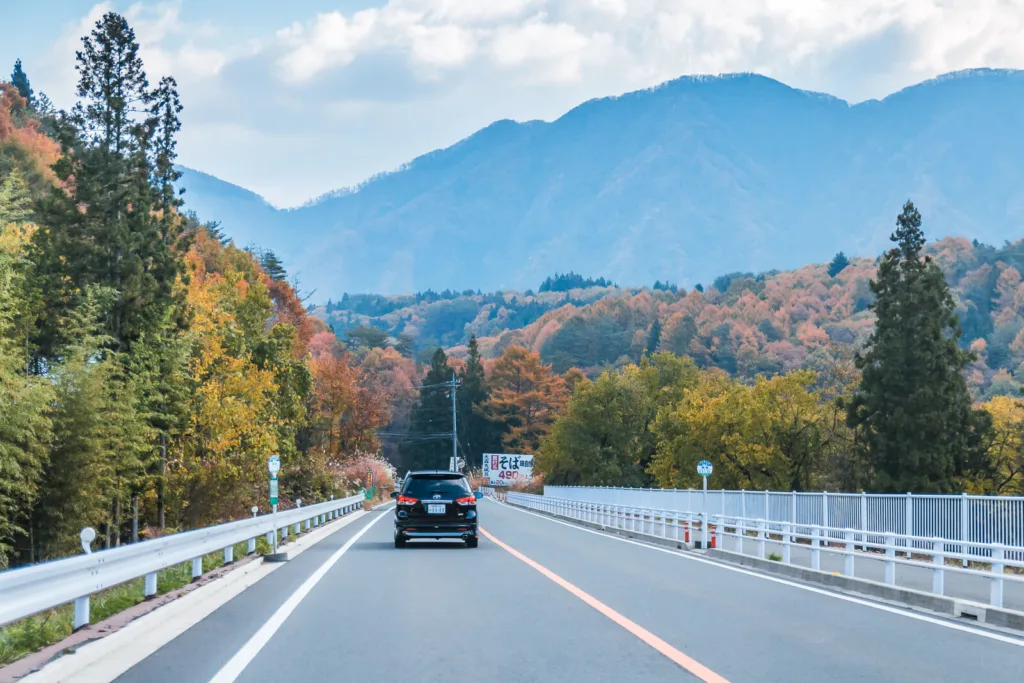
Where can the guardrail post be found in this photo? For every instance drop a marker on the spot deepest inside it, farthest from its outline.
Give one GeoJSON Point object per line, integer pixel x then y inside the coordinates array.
{"type": "Point", "coordinates": [81, 612]}
{"type": "Point", "coordinates": [848, 558]}
{"type": "Point", "coordinates": [938, 574]}
{"type": "Point", "coordinates": [664, 528]}
{"type": "Point", "coordinates": [704, 526]}
{"type": "Point", "coordinates": [890, 559]}
{"type": "Point", "coordinates": [251, 547]}
{"type": "Point", "coordinates": [786, 541]}
{"type": "Point", "coordinates": [197, 567]}
{"type": "Point", "coordinates": [996, 589]}
{"type": "Point", "coordinates": [284, 531]}
{"type": "Point", "coordinates": [816, 549]}
{"type": "Point", "coordinates": [741, 531]}
{"type": "Point", "coordinates": [307, 524]}
{"type": "Point", "coordinates": [149, 587]}
{"type": "Point", "coordinates": [229, 554]}
{"type": "Point", "coordinates": [760, 538]}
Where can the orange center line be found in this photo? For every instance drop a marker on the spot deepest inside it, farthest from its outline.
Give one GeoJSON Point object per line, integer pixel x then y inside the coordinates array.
{"type": "Point", "coordinates": [693, 666]}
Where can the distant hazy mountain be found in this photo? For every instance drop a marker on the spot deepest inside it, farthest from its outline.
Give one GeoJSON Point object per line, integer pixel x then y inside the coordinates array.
{"type": "Point", "coordinates": [695, 178]}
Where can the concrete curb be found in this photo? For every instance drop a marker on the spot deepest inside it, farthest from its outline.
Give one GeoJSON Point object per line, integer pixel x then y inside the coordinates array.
{"type": "Point", "coordinates": [940, 604]}
{"type": "Point", "coordinates": [955, 607]}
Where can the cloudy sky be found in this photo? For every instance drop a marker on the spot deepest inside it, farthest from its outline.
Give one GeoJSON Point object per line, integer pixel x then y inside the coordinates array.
{"type": "Point", "coordinates": [295, 98]}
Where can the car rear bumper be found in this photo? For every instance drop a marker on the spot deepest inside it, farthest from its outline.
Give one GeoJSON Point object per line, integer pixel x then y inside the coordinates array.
{"type": "Point", "coordinates": [424, 529]}
{"type": "Point", "coordinates": [438, 534]}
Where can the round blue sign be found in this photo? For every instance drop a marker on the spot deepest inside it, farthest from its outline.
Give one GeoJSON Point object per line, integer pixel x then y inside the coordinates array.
{"type": "Point", "coordinates": [704, 468]}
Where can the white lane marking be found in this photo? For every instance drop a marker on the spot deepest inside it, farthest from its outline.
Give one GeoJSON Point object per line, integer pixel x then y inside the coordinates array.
{"type": "Point", "coordinates": [104, 659]}
{"type": "Point", "coordinates": [230, 671]}
{"type": "Point", "coordinates": [839, 596]}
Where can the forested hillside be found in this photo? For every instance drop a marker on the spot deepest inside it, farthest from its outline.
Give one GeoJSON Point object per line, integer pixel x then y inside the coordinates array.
{"type": "Point", "coordinates": [146, 363]}
{"type": "Point", "coordinates": [749, 324]}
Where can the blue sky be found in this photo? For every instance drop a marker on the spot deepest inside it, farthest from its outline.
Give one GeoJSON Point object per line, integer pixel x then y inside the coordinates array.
{"type": "Point", "coordinates": [295, 98]}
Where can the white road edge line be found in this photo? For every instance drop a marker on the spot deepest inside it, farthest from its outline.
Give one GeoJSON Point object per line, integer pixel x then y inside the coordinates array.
{"type": "Point", "coordinates": [105, 659]}
{"type": "Point", "coordinates": [839, 596]}
{"type": "Point", "coordinates": [230, 671]}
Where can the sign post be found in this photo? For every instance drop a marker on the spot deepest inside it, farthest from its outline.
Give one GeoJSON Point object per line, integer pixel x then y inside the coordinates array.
{"type": "Point", "coordinates": [371, 490]}
{"type": "Point", "coordinates": [704, 470]}
{"type": "Point", "coordinates": [274, 466]}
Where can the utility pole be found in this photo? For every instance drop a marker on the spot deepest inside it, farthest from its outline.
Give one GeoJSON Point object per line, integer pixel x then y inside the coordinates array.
{"type": "Point", "coordinates": [455, 438]}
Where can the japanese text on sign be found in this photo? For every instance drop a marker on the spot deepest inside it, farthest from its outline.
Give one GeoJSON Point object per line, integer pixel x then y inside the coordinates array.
{"type": "Point", "coordinates": [505, 469]}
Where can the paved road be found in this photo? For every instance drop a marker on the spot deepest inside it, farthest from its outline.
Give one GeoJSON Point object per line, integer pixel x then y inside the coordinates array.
{"type": "Point", "coordinates": [446, 613]}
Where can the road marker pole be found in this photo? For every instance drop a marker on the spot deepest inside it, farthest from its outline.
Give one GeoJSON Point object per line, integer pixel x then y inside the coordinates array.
{"type": "Point", "coordinates": [704, 469]}
{"type": "Point", "coordinates": [274, 466]}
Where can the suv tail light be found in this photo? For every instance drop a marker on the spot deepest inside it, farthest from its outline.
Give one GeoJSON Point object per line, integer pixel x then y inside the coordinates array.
{"type": "Point", "coordinates": [407, 500]}
{"type": "Point", "coordinates": [468, 500]}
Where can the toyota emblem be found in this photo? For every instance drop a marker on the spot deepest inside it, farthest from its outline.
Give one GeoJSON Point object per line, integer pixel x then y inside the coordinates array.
{"type": "Point", "coordinates": [437, 496]}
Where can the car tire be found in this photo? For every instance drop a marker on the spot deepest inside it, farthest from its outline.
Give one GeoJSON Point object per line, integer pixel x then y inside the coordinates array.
{"type": "Point", "coordinates": [399, 542]}
{"type": "Point", "coordinates": [472, 542]}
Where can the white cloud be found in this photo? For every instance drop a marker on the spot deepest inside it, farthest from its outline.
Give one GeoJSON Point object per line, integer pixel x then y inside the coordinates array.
{"type": "Point", "coordinates": [332, 40]}
{"type": "Point", "coordinates": [559, 41]}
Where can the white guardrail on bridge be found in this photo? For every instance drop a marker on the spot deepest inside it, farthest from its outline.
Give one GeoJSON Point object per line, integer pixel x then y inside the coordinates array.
{"type": "Point", "coordinates": [973, 522]}
{"type": "Point", "coordinates": [679, 525]}
{"type": "Point", "coordinates": [29, 590]}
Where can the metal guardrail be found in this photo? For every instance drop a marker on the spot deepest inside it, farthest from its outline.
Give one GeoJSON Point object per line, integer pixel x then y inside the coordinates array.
{"type": "Point", "coordinates": [974, 522]}
{"type": "Point", "coordinates": [678, 525]}
{"type": "Point", "coordinates": [29, 590]}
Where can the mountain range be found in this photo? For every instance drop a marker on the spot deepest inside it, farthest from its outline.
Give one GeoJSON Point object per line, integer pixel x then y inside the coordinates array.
{"type": "Point", "coordinates": [683, 182]}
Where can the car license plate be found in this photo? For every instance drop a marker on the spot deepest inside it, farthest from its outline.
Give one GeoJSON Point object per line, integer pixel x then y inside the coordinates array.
{"type": "Point", "coordinates": [435, 509]}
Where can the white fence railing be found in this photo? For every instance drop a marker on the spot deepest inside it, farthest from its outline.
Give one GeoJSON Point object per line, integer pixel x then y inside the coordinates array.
{"type": "Point", "coordinates": [33, 589]}
{"type": "Point", "coordinates": [677, 525]}
{"type": "Point", "coordinates": [973, 522]}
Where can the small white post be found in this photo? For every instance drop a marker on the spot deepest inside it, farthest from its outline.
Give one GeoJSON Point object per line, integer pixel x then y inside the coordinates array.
{"type": "Point", "coordinates": [307, 524]}
{"type": "Point", "coordinates": [939, 561]}
{"type": "Point", "coordinates": [81, 612]}
{"type": "Point", "coordinates": [996, 589]}
{"type": "Point", "coordinates": [890, 559]}
{"type": "Point", "coordinates": [816, 549]}
{"type": "Point", "coordinates": [197, 567]}
{"type": "Point", "coordinates": [760, 538]}
{"type": "Point", "coordinates": [149, 587]}
{"type": "Point", "coordinates": [251, 547]}
{"type": "Point", "coordinates": [229, 554]}
{"type": "Point", "coordinates": [848, 563]}
{"type": "Point", "coordinates": [964, 528]}
{"type": "Point", "coordinates": [741, 531]}
{"type": "Point", "coordinates": [786, 540]}
{"type": "Point", "coordinates": [664, 530]}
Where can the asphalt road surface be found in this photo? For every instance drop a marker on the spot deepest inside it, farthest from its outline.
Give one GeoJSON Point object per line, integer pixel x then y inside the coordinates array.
{"type": "Point", "coordinates": [541, 600]}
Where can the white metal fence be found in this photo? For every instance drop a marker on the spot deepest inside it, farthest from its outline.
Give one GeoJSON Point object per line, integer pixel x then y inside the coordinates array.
{"type": "Point", "coordinates": [28, 590]}
{"type": "Point", "coordinates": [973, 522]}
{"type": "Point", "coordinates": [850, 543]}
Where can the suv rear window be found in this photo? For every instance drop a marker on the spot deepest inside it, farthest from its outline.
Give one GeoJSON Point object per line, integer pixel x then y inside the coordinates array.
{"type": "Point", "coordinates": [424, 487]}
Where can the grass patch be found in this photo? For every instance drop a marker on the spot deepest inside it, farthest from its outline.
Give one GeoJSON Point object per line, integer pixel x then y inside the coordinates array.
{"type": "Point", "coordinates": [775, 557]}
{"type": "Point", "coordinates": [44, 629]}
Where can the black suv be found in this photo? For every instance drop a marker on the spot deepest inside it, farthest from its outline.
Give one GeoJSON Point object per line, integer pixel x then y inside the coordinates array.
{"type": "Point", "coordinates": [436, 504]}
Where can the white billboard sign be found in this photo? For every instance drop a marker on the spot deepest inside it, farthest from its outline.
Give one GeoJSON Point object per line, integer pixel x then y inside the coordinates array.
{"type": "Point", "coordinates": [505, 469]}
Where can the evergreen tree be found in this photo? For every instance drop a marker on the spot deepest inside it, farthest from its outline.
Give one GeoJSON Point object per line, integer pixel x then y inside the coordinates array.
{"type": "Point", "coordinates": [839, 262]}
{"type": "Point", "coordinates": [20, 81]}
{"type": "Point", "coordinates": [654, 337]}
{"type": "Point", "coordinates": [916, 424]}
{"type": "Point", "coordinates": [273, 266]}
{"type": "Point", "coordinates": [429, 443]}
{"type": "Point", "coordinates": [114, 228]}
{"type": "Point", "coordinates": [477, 433]}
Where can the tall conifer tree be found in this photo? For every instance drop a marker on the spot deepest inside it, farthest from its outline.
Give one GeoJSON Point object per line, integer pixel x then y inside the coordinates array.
{"type": "Point", "coordinates": [913, 411]}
